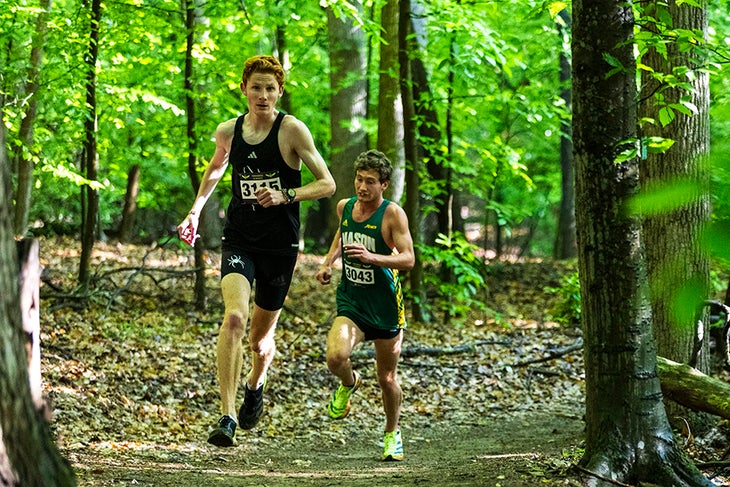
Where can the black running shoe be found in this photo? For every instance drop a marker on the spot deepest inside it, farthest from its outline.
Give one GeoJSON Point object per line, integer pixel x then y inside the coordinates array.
{"type": "Point", "coordinates": [252, 407]}
{"type": "Point", "coordinates": [224, 432]}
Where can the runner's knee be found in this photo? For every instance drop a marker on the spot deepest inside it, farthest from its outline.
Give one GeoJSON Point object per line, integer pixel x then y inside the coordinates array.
{"type": "Point", "coordinates": [336, 360]}
{"type": "Point", "coordinates": [388, 380]}
{"type": "Point", "coordinates": [235, 321]}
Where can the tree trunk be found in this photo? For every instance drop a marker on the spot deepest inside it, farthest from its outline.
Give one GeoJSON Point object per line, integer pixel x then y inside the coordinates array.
{"type": "Point", "coordinates": [130, 204]}
{"type": "Point", "coordinates": [281, 52]}
{"type": "Point", "coordinates": [348, 104]}
{"type": "Point", "coordinates": [565, 246]}
{"type": "Point", "coordinates": [678, 268]}
{"type": "Point", "coordinates": [628, 436]}
{"type": "Point", "coordinates": [30, 280]}
{"type": "Point", "coordinates": [390, 105]}
{"type": "Point", "coordinates": [429, 137]}
{"type": "Point", "coordinates": [316, 222]}
{"type": "Point", "coordinates": [207, 215]}
{"type": "Point", "coordinates": [28, 455]}
{"type": "Point", "coordinates": [89, 194]}
{"type": "Point", "coordinates": [25, 136]}
{"type": "Point", "coordinates": [412, 205]}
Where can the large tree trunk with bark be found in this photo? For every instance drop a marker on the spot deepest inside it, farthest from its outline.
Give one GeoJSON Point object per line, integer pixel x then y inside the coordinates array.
{"type": "Point", "coordinates": [30, 280]}
{"type": "Point", "coordinates": [678, 269]}
{"type": "Point", "coordinates": [348, 105]}
{"type": "Point", "coordinates": [628, 436]}
{"type": "Point", "coordinates": [28, 455]}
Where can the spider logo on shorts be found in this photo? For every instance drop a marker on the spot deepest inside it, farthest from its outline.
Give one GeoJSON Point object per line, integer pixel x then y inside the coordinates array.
{"type": "Point", "coordinates": [235, 259]}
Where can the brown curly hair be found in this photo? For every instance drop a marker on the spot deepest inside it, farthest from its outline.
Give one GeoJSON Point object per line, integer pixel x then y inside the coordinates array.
{"type": "Point", "coordinates": [374, 160]}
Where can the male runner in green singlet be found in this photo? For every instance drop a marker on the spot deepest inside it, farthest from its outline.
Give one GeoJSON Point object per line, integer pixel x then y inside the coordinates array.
{"type": "Point", "coordinates": [375, 243]}
{"type": "Point", "coordinates": [266, 150]}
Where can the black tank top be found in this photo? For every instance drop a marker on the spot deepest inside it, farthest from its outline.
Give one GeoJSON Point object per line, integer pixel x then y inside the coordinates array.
{"type": "Point", "coordinates": [248, 224]}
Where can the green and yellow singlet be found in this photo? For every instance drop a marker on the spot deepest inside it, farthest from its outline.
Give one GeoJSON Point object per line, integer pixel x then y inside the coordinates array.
{"type": "Point", "coordinates": [369, 294]}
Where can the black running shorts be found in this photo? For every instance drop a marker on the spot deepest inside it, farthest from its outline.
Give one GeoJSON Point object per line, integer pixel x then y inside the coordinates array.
{"type": "Point", "coordinates": [370, 332]}
{"type": "Point", "coordinates": [271, 273]}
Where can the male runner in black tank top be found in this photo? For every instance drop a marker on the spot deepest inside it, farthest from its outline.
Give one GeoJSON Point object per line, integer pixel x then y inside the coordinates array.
{"type": "Point", "coordinates": [266, 150]}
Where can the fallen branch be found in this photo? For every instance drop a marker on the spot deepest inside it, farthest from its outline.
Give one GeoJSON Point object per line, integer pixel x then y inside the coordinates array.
{"type": "Point", "coordinates": [713, 464]}
{"type": "Point", "coordinates": [436, 351]}
{"type": "Point", "coordinates": [691, 388]}
{"type": "Point", "coordinates": [578, 345]}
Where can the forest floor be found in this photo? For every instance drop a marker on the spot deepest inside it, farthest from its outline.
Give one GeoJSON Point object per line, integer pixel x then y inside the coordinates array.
{"type": "Point", "coordinates": [494, 398]}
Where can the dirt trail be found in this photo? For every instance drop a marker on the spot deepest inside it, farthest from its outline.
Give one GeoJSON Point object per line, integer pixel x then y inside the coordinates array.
{"type": "Point", "coordinates": [514, 452]}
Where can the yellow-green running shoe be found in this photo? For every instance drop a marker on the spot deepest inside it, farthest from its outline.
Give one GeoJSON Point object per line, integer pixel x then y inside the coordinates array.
{"type": "Point", "coordinates": [392, 446]}
{"type": "Point", "coordinates": [339, 405]}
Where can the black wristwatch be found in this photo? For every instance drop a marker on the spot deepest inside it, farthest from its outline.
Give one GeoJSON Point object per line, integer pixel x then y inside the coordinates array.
{"type": "Point", "coordinates": [289, 194]}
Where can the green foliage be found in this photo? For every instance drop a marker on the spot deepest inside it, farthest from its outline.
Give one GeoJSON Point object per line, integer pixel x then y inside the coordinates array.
{"type": "Point", "coordinates": [492, 67]}
{"type": "Point", "coordinates": [715, 240]}
{"type": "Point", "coordinates": [497, 82]}
{"type": "Point", "coordinates": [665, 197]}
{"type": "Point", "coordinates": [458, 255]}
{"type": "Point", "coordinates": [141, 96]}
{"type": "Point", "coordinates": [568, 307]}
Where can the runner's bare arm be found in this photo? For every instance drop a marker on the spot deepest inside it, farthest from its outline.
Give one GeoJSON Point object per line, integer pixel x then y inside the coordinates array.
{"type": "Point", "coordinates": [213, 173]}
{"type": "Point", "coordinates": [297, 148]}
{"type": "Point", "coordinates": [398, 237]}
{"type": "Point", "coordinates": [218, 164]}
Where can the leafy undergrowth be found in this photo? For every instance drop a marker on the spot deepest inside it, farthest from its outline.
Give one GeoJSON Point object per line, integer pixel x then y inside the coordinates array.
{"type": "Point", "coordinates": [130, 374]}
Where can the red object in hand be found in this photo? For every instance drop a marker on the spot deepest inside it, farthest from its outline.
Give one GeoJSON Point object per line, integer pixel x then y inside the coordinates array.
{"type": "Point", "coordinates": [187, 236]}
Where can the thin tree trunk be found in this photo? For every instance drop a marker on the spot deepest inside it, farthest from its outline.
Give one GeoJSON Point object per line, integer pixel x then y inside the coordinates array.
{"type": "Point", "coordinates": [281, 52]}
{"type": "Point", "coordinates": [429, 136]}
{"type": "Point", "coordinates": [348, 104]}
{"type": "Point", "coordinates": [628, 436]}
{"type": "Point", "coordinates": [565, 245]}
{"type": "Point", "coordinates": [199, 250]}
{"type": "Point", "coordinates": [25, 136]}
{"type": "Point", "coordinates": [314, 228]}
{"type": "Point", "coordinates": [130, 204]}
{"type": "Point", "coordinates": [390, 106]}
{"type": "Point", "coordinates": [89, 194]}
{"type": "Point", "coordinates": [413, 194]}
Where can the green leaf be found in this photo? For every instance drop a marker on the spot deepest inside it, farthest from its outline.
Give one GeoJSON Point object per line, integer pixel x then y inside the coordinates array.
{"type": "Point", "coordinates": [626, 155]}
{"type": "Point", "coordinates": [657, 145]}
{"type": "Point", "coordinates": [666, 115]}
{"type": "Point", "coordinates": [612, 60]}
{"type": "Point", "coordinates": [664, 198]}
